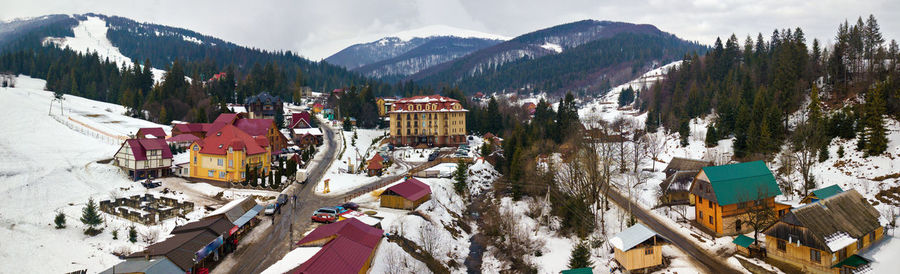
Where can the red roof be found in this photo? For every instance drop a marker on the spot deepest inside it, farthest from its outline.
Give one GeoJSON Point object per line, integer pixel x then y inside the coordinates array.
{"type": "Point", "coordinates": [255, 127]}
{"type": "Point", "coordinates": [317, 105]}
{"type": "Point", "coordinates": [301, 116]}
{"type": "Point", "coordinates": [374, 164]}
{"type": "Point", "coordinates": [157, 132]}
{"type": "Point", "coordinates": [139, 148]}
{"type": "Point", "coordinates": [217, 142]}
{"type": "Point", "coordinates": [348, 252]}
{"type": "Point", "coordinates": [377, 157]}
{"type": "Point", "coordinates": [411, 189]}
{"type": "Point", "coordinates": [428, 103]}
{"type": "Point", "coordinates": [193, 127]}
{"type": "Point", "coordinates": [183, 138]}
{"type": "Point", "coordinates": [479, 94]}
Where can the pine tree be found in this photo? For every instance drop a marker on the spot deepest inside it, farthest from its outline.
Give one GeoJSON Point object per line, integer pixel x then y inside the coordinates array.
{"type": "Point", "coordinates": [580, 256]}
{"type": "Point", "coordinates": [132, 234]}
{"type": "Point", "coordinates": [60, 220]}
{"type": "Point", "coordinates": [876, 140]}
{"type": "Point", "coordinates": [460, 176]}
{"type": "Point", "coordinates": [684, 131]}
{"type": "Point", "coordinates": [823, 153]}
{"type": "Point", "coordinates": [91, 217]}
{"type": "Point", "coordinates": [712, 138]}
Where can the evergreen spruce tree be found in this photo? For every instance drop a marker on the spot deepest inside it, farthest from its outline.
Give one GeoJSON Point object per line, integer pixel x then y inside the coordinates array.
{"type": "Point", "coordinates": [460, 176]}
{"type": "Point", "coordinates": [823, 153]}
{"type": "Point", "coordinates": [580, 256]}
{"type": "Point", "coordinates": [132, 234]}
{"type": "Point", "coordinates": [90, 216]}
{"type": "Point", "coordinates": [60, 220]}
{"type": "Point", "coordinates": [712, 138]}
{"type": "Point", "coordinates": [684, 131]}
{"type": "Point", "coordinates": [876, 141]}
{"type": "Point", "coordinates": [115, 234]}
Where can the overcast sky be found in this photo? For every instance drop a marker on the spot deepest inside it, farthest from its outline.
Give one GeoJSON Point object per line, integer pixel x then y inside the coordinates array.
{"type": "Point", "coordinates": [317, 29]}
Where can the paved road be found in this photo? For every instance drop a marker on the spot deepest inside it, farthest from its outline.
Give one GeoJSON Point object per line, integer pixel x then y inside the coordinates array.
{"type": "Point", "coordinates": [257, 256]}
{"type": "Point", "coordinates": [710, 263]}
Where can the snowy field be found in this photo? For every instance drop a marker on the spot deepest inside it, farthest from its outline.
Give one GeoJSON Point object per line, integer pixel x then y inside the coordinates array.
{"type": "Point", "coordinates": [354, 153]}
{"type": "Point", "coordinates": [46, 167]}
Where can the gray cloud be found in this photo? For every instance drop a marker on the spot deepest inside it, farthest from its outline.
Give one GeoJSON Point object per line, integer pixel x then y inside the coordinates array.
{"type": "Point", "coordinates": [317, 29]}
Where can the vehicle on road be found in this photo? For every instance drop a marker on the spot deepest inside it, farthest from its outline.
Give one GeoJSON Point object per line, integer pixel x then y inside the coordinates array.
{"type": "Point", "coordinates": [325, 215]}
{"type": "Point", "coordinates": [434, 156]}
{"type": "Point", "coordinates": [270, 209]}
{"type": "Point", "coordinates": [280, 201]}
{"type": "Point", "coordinates": [350, 206]}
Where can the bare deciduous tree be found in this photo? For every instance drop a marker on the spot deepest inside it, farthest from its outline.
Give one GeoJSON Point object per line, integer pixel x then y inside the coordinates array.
{"type": "Point", "coordinates": [150, 235]}
{"type": "Point", "coordinates": [758, 213]}
{"type": "Point", "coordinates": [656, 143]}
{"type": "Point", "coordinates": [430, 238]}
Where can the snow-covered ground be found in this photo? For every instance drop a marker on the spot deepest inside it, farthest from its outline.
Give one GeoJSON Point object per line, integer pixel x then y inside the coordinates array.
{"type": "Point", "coordinates": [443, 30]}
{"type": "Point", "coordinates": [47, 167]}
{"type": "Point", "coordinates": [90, 36]}
{"type": "Point", "coordinates": [354, 153]}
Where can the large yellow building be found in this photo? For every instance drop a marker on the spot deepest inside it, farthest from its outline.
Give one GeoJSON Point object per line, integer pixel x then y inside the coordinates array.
{"type": "Point", "coordinates": [431, 120]}
{"type": "Point", "coordinates": [226, 152]}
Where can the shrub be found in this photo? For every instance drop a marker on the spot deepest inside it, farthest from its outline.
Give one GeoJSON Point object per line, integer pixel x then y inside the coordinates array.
{"type": "Point", "coordinates": [60, 220]}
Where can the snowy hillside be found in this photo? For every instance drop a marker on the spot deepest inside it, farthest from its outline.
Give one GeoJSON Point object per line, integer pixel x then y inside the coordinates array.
{"type": "Point", "coordinates": [444, 30]}
{"type": "Point", "coordinates": [90, 36]}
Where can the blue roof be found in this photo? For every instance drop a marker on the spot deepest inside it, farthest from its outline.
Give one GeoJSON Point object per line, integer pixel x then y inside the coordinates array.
{"type": "Point", "coordinates": [743, 241]}
{"type": "Point", "coordinates": [741, 182]}
{"type": "Point", "coordinates": [825, 192]}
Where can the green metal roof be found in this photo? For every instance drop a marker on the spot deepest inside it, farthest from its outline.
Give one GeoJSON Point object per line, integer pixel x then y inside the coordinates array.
{"type": "Point", "coordinates": [741, 182]}
{"type": "Point", "coordinates": [584, 270]}
{"type": "Point", "coordinates": [742, 240]}
{"type": "Point", "coordinates": [854, 261]}
{"type": "Point", "coordinates": [826, 192]}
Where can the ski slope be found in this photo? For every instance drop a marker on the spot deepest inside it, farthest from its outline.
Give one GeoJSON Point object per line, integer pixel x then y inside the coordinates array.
{"type": "Point", "coordinates": [90, 36]}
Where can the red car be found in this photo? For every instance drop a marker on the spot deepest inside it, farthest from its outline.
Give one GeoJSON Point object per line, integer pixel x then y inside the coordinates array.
{"type": "Point", "coordinates": [325, 215]}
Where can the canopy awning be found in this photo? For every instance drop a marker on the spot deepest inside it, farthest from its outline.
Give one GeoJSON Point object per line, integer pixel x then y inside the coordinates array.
{"type": "Point", "coordinates": [248, 216]}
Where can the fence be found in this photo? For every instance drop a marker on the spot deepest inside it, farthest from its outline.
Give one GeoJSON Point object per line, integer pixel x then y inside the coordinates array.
{"type": "Point", "coordinates": [89, 131]}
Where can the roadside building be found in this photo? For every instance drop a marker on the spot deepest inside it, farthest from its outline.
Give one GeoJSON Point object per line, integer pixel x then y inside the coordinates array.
{"type": "Point", "coordinates": [226, 154]}
{"type": "Point", "coordinates": [430, 120]}
{"type": "Point", "coordinates": [406, 195]}
{"type": "Point", "coordinates": [254, 127]}
{"type": "Point", "coordinates": [305, 137]}
{"type": "Point", "coordinates": [742, 244]}
{"type": "Point", "coordinates": [680, 173]}
{"type": "Point", "coordinates": [263, 106]}
{"type": "Point", "coordinates": [182, 141]}
{"type": "Point", "coordinates": [348, 246]}
{"type": "Point", "coordinates": [144, 265]}
{"type": "Point", "coordinates": [196, 129]}
{"type": "Point", "coordinates": [374, 166]}
{"type": "Point", "coordinates": [144, 157]}
{"type": "Point", "coordinates": [822, 193]}
{"type": "Point", "coordinates": [826, 236]}
{"type": "Point", "coordinates": [384, 105]}
{"type": "Point", "coordinates": [638, 248]}
{"type": "Point", "coordinates": [724, 194]}
{"type": "Point", "coordinates": [301, 120]}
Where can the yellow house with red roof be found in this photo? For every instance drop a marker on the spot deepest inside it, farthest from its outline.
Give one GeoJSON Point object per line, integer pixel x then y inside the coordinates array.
{"type": "Point", "coordinates": [225, 154]}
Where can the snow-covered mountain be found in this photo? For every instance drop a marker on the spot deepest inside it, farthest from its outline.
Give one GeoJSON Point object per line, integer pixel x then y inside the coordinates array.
{"type": "Point", "coordinates": [408, 52]}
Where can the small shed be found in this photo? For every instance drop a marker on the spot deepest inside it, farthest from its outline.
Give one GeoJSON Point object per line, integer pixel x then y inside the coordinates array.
{"type": "Point", "coordinates": [676, 188]}
{"type": "Point", "coordinates": [406, 195]}
{"type": "Point", "coordinates": [743, 244]}
{"type": "Point", "coordinates": [821, 194]}
{"type": "Point", "coordinates": [638, 247]}
{"type": "Point", "coordinates": [374, 167]}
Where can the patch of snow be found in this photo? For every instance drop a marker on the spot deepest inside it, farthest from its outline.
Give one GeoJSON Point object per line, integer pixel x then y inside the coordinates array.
{"type": "Point", "coordinates": [192, 39]}
{"type": "Point", "coordinates": [443, 30]}
{"type": "Point", "coordinates": [839, 240]}
{"type": "Point", "coordinates": [551, 46]}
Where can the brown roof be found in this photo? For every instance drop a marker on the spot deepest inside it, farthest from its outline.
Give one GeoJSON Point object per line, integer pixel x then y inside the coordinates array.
{"type": "Point", "coordinates": [179, 248]}
{"type": "Point", "coordinates": [681, 164]}
{"type": "Point", "coordinates": [680, 181]}
{"type": "Point", "coordinates": [847, 212]}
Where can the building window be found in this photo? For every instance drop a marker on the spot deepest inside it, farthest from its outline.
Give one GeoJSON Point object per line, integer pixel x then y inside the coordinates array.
{"type": "Point", "coordinates": [221, 174]}
{"type": "Point", "coordinates": [195, 160]}
{"type": "Point", "coordinates": [859, 244]}
{"type": "Point", "coordinates": [782, 245]}
{"type": "Point", "coordinates": [211, 174]}
{"type": "Point", "coordinates": [196, 148]}
{"type": "Point", "coordinates": [243, 175]}
{"type": "Point", "coordinates": [221, 162]}
{"type": "Point", "coordinates": [815, 255]}
{"type": "Point", "coordinates": [230, 163]}
{"type": "Point", "coordinates": [648, 251]}
{"type": "Point", "coordinates": [872, 237]}
{"type": "Point", "coordinates": [710, 203]}
{"type": "Point", "coordinates": [710, 219]}
{"type": "Point", "coordinates": [700, 215]}
{"type": "Point", "coordinates": [699, 199]}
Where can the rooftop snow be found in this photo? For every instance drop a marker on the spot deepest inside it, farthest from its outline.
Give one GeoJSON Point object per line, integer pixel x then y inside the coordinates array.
{"type": "Point", "coordinates": [838, 241]}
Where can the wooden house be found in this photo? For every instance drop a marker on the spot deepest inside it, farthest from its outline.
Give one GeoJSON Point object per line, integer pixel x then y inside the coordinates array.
{"type": "Point", "coordinates": [145, 156]}
{"type": "Point", "coordinates": [676, 188]}
{"type": "Point", "coordinates": [374, 166]}
{"type": "Point", "coordinates": [684, 164]}
{"type": "Point", "coordinates": [724, 194]}
{"type": "Point", "coordinates": [347, 246]}
{"type": "Point", "coordinates": [826, 236]}
{"type": "Point", "coordinates": [638, 248]}
{"type": "Point", "coordinates": [822, 193]}
{"type": "Point", "coordinates": [406, 195]}
{"type": "Point", "coordinates": [263, 106]}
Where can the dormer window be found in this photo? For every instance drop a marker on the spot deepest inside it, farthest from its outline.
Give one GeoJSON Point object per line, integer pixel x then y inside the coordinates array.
{"type": "Point", "coordinates": [219, 133]}
{"type": "Point", "coordinates": [220, 146]}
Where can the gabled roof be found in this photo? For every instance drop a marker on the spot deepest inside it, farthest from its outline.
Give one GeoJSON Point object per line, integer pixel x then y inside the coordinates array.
{"type": "Point", "coordinates": [300, 119]}
{"type": "Point", "coordinates": [156, 264]}
{"type": "Point", "coordinates": [217, 224]}
{"type": "Point", "coordinates": [374, 165]}
{"type": "Point", "coordinates": [680, 164]}
{"type": "Point", "coordinates": [846, 215]}
{"type": "Point", "coordinates": [192, 127]}
{"type": "Point", "coordinates": [183, 138]}
{"type": "Point", "coordinates": [262, 97]}
{"type": "Point", "coordinates": [179, 248]}
{"type": "Point", "coordinates": [411, 189]}
{"type": "Point", "coordinates": [825, 192]}
{"type": "Point", "coordinates": [352, 244]}
{"type": "Point", "coordinates": [377, 157]}
{"type": "Point", "coordinates": [139, 148]}
{"type": "Point", "coordinates": [150, 132]}
{"type": "Point", "coordinates": [680, 181]}
{"type": "Point", "coordinates": [632, 236]}
{"type": "Point", "coordinates": [218, 142]}
{"type": "Point", "coordinates": [741, 182]}
{"type": "Point", "coordinates": [255, 127]}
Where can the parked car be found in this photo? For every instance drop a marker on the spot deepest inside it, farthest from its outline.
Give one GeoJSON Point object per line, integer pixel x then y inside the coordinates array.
{"type": "Point", "coordinates": [350, 206]}
{"type": "Point", "coordinates": [325, 215]}
{"type": "Point", "coordinates": [281, 200]}
{"type": "Point", "coordinates": [433, 156]}
{"type": "Point", "coordinates": [270, 209]}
